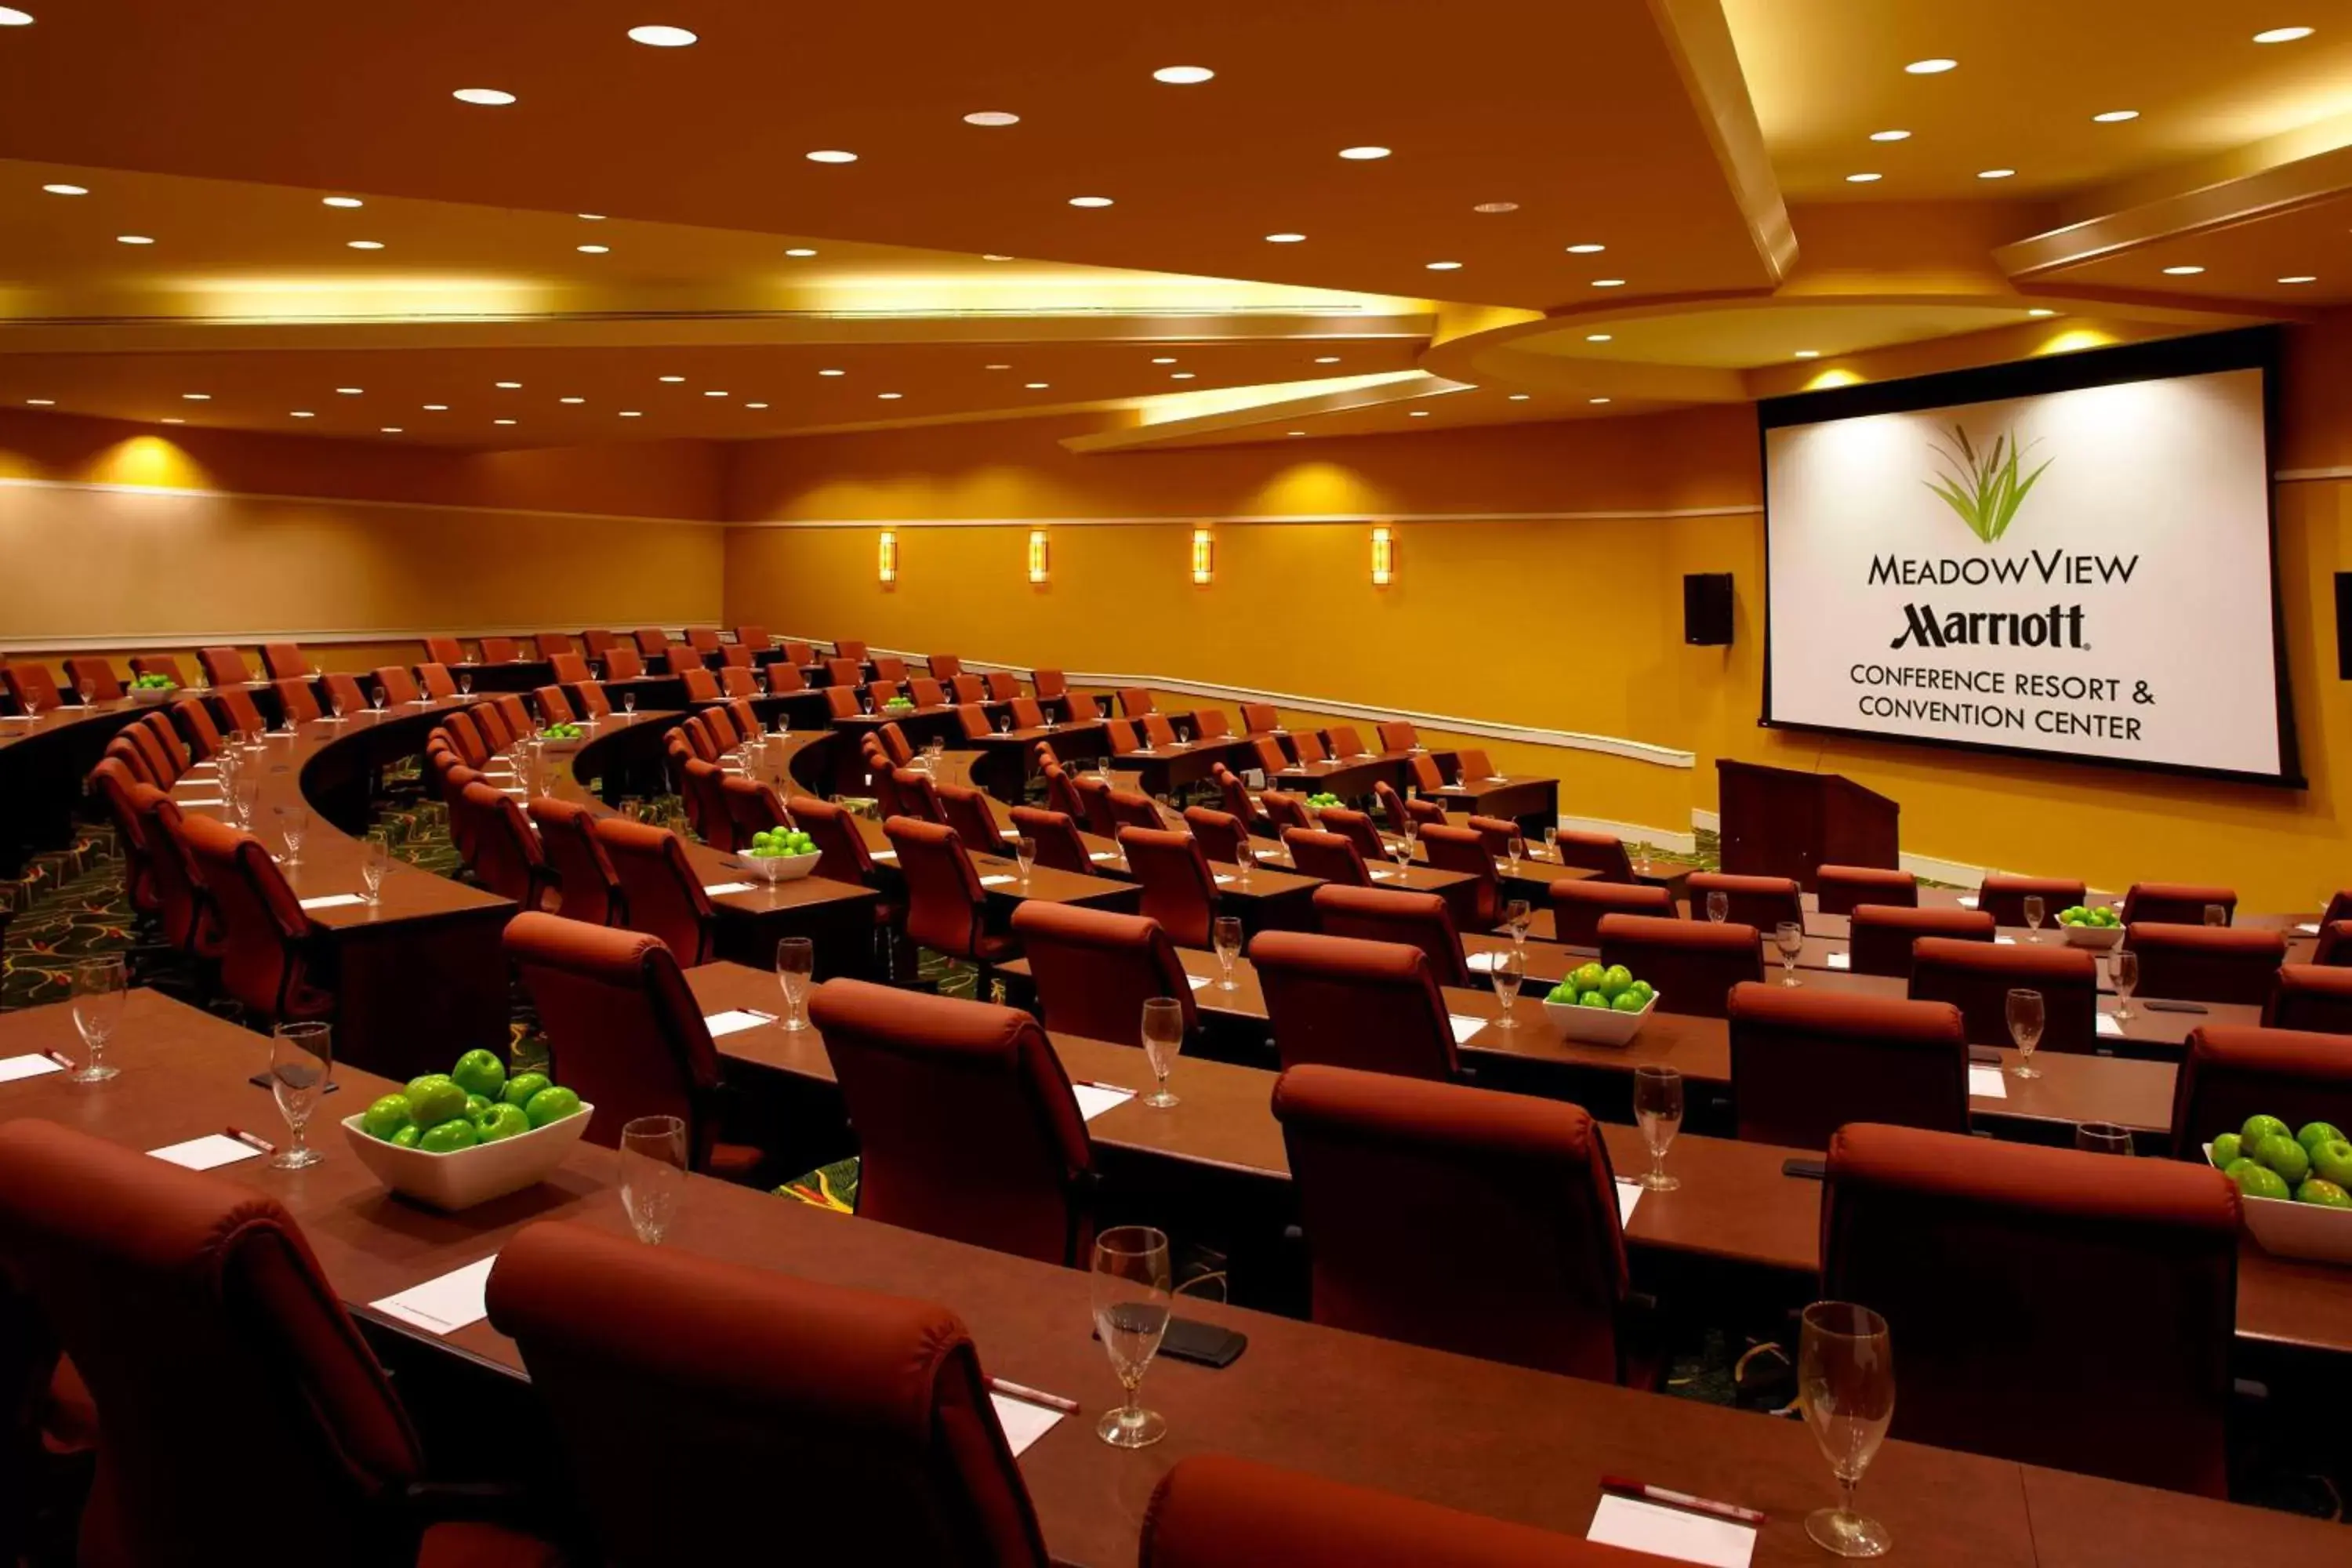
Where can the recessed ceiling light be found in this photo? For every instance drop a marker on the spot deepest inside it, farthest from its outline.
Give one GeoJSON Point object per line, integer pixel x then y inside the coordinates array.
{"type": "Point", "coordinates": [168, 421]}
{"type": "Point", "coordinates": [67, 190]}
{"type": "Point", "coordinates": [1363, 154]}
{"type": "Point", "coordinates": [2300, 277]}
{"type": "Point", "coordinates": [1180, 375]}
{"type": "Point", "coordinates": [800, 250]}
{"type": "Point", "coordinates": [198, 397]}
{"type": "Point", "coordinates": [996, 367]}
{"type": "Point", "coordinates": [1165, 359]}
{"type": "Point", "coordinates": [1284, 239]}
{"type": "Point", "coordinates": [1608, 282]}
{"type": "Point", "coordinates": [1587, 248]}
{"type": "Point", "coordinates": [1036, 386]}
{"type": "Point", "coordinates": [1416, 414]}
{"type": "Point", "coordinates": [1521, 396]}
{"type": "Point", "coordinates": [662, 37]}
{"type": "Point", "coordinates": [2182, 271]}
{"type": "Point", "coordinates": [593, 249]}
{"type": "Point", "coordinates": [832, 155]}
{"type": "Point", "coordinates": [991, 117]}
{"type": "Point", "coordinates": [889, 396]}
{"type": "Point", "coordinates": [302, 414]}
{"type": "Point", "coordinates": [592, 217]}
{"type": "Point", "coordinates": [436, 408]}
{"type": "Point", "coordinates": [1863, 179]}
{"type": "Point", "coordinates": [133, 239]}
{"type": "Point", "coordinates": [342, 202]}
{"type": "Point", "coordinates": [992, 255]}
{"type": "Point", "coordinates": [351, 391]}
{"type": "Point", "coordinates": [1598, 337]}
{"type": "Point", "coordinates": [364, 244]}
{"type": "Point", "coordinates": [1496, 207]}
{"type": "Point", "coordinates": [1295, 432]}
{"type": "Point", "coordinates": [502, 421]}
{"type": "Point", "coordinates": [490, 97]}
{"type": "Point", "coordinates": [12, 17]}
{"type": "Point", "coordinates": [1444, 266]}
{"type": "Point", "coordinates": [571, 400]}
{"type": "Point", "coordinates": [1326, 359]}
{"type": "Point", "coordinates": [1994, 173]}
{"type": "Point", "coordinates": [2041, 311]}
{"type": "Point", "coordinates": [1890, 136]}
{"type": "Point", "coordinates": [1809, 354]}
{"type": "Point", "coordinates": [2281, 35]}
{"type": "Point", "coordinates": [388, 429]}
{"type": "Point", "coordinates": [755, 405]}
{"type": "Point", "coordinates": [714, 394]}
{"type": "Point", "coordinates": [1182, 76]}
{"type": "Point", "coordinates": [820, 372]}
{"type": "Point", "coordinates": [631, 414]}
{"type": "Point", "coordinates": [42, 402]}
{"type": "Point", "coordinates": [1596, 400]}
{"type": "Point", "coordinates": [509, 386]}
{"type": "Point", "coordinates": [2115, 116]}
{"type": "Point", "coordinates": [1930, 67]}
{"type": "Point", "coordinates": [673, 378]}
{"type": "Point", "coordinates": [1090, 201]}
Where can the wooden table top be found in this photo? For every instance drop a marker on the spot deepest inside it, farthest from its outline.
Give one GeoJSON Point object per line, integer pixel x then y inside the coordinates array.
{"type": "Point", "coordinates": [1479, 1435]}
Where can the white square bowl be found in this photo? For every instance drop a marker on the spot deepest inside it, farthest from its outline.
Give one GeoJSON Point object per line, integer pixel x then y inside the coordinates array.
{"type": "Point", "coordinates": [2098, 939]}
{"type": "Point", "coordinates": [1598, 1025]}
{"type": "Point", "coordinates": [779, 868]}
{"type": "Point", "coordinates": [469, 1176]}
{"type": "Point", "coordinates": [2290, 1230]}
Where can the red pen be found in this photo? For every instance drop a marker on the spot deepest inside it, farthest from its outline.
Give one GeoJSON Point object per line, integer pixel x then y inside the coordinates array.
{"type": "Point", "coordinates": [1649, 1493]}
{"type": "Point", "coordinates": [251, 1139]}
{"type": "Point", "coordinates": [1024, 1392]}
{"type": "Point", "coordinates": [58, 1058]}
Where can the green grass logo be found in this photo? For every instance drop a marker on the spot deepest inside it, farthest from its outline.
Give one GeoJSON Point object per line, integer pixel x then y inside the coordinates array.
{"type": "Point", "coordinates": [1983, 486]}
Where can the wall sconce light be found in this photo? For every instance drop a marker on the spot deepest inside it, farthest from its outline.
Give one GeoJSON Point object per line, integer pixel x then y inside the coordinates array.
{"type": "Point", "coordinates": [888, 562]}
{"type": "Point", "coordinates": [1383, 558]}
{"type": "Point", "coordinates": [1038, 562]}
{"type": "Point", "coordinates": [1204, 556]}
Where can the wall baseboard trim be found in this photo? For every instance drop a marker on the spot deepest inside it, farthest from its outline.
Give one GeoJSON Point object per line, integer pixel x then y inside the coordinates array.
{"type": "Point", "coordinates": [193, 492]}
{"type": "Point", "coordinates": [38, 646]}
{"type": "Point", "coordinates": [1635, 833]}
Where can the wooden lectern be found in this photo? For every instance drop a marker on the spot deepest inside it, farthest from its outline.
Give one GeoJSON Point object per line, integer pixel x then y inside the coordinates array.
{"type": "Point", "coordinates": [1779, 822]}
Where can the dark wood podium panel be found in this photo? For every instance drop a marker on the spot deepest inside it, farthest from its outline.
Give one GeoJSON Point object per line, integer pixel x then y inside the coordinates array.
{"type": "Point", "coordinates": [1781, 822]}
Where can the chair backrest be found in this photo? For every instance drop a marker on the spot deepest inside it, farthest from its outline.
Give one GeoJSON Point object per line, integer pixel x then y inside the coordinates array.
{"type": "Point", "coordinates": [1051, 683]}
{"type": "Point", "coordinates": [1474, 765]}
{"type": "Point", "coordinates": [2335, 945]}
{"type": "Point", "coordinates": [1211, 724]}
{"type": "Point", "coordinates": [1840, 888]}
{"type": "Point", "coordinates": [926, 691]}
{"type": "Point", "coordinates": [2175, 904]}
{"type": "Point", "coordinates": [433, 678]}
{"type": "Point", "coordinates": [850, 648]}
{"type": "Point", "coordinates": [1059, 848]}
{"type": "Point", "coordinates": [621, 1027]}
{"type": "Point", "coordinates": [1426, 776]}
{"type": "Point", "coordinates": [568, 667]}
{"type": "Point", "coordinates": [590, 887]}
{"type": "Point", "coordinates": [1603, 853]}
{"type": "Point", "coordinates": [1344, 741]}
{"type": "Point", "coordinates": [798, 653]}
{"type": "Point", "coordinates": [1373, 1006]}
{"type": "Point", "coordinates": [1357, 828]}
{"type": "Point", "coordinates": [966, 687]}
{"type": "Point", "coordinates": [1945, 1237]}
{"type": "Point", "coordinates": [1805, 1062]}
{"type": "Point", "coordinates": [283, 660]}
{"type": "Point", "coordinates": [1692, 964]}
{"type": "Point", "coordinates": [652, 641]}
{"type": "Point", "coordinates": [1129, 808]}
{"type": "Point", "coordinates": [1093, 970]}
{"type": "Point", "coordinates": [1882, 934]}
{"type": "Point", "coordinates": [243, 714]}
{"type": "Point", "coordinates": [501, 651]}
{"type": "Point", "coordinates": [193, 1309]}
{"type": "Point", "coordinates": [1760, 901]}
{"type": "Point", "coordinates": [1220, 834]}
{"type": "Point", "coordinates": [445, 650]}
{"type": "Point", "coordinates": [1285, 810]}
{"type": "Point", "coordinates": [95, 675]}
{"type": "Point", "coordinates": [2232, 1072]}
{"type": "Point", "coordinates": [946, 907]}
{"type": "Point", "coordinates": [2206, 963]}
{"type": "Point", "coordinates": [1383, 914]}
{"type": "Point", "coordinates": [706, 804]}
{"type": "Point", "coordinates": [661, 896]}
{"type": "Point", "coordinates": [753, 638]}
{"type": "Point", "coordinates": [1315, 853]}
{"type": "Point", "coordinates": [971, 719]}
{"type": "Point", "coordinates": [891, 668]}
{"type": "Point", "coordinates": [158, 724]}
{"type": "Point", "coordinates": [918, 796]}
{"type": "Point", "coordinates": [699, 684]}
{"type": "Point", "coordinates": [136, 761]}
{"type": "Point", "coordinates": [224, 666]}
{"type": "Point", "coordinates": [1135, 701]}
{"type": "Point", "coordinates": [1062, 793]}
{"type": "Point", "coordinates": [1237, 796]}
{"type": "Point", "coordinates": [265, 960]}
{"type": "Point", "coordinates": [2003, 898]}
{"type": "Point", "coordinates": [1121, 735]}
{"type": "Point", "coordinates": [508, 859]}
{"type": "Point", "coordinates": [966, 810]}
{"type": "Point", "coordinates": [1397, 735]}
{"type": "Point", "coordinates": [842, 670]}
{"type": "Point", "coordinates": [590, 697]}
{"type": "Point", "coordinates": [1180, 891]}
{"type": "Point", "coordinates": [967, 1127]}
{"type": "Point", "coordinates": [1394, 809]}
{"type": "Point", "coordinates": [841, 701]}
{"type": "Point", "coordinates": [1577, 908]}
{"type": "Point", "coordinates": [163, 664]}
{"type": "Point", "coordinates": [1271, 758]}
{"type": "Point", "coordinates": [842, 855]}
{"type": "Point", "coordinates": [196, 720]}
{"type": "Point", "coordinates": [783, 677]}
{"type": "Point", "coordinates": [2312, 996]}
{"type": "Point", "coordinates": [1004, 686]}
{"type": "Point", "coordinates": [34, 688]}
{"type": "Point", "coordinates": [112, 780]}
{"type": "Point", "coordinates": [703, 640]}
{"type": "Point", "coordinates": [1978, 976]}
{"type": "Point", "coordinates": [752, 1367]}
{"type": "Point", "coordinates": [399, 685]}
{"type": "Point", "coordinates": [1309, 745]}
{"type": "Point", "coordinates": [1464, 849]}
{"type": "Point", "coordinates": [296, 701]}
{"type": "Point", "coordinates": [751, 807]}
{"type": "Point", "coordinates": [466, 733]}
{"type": "Point", "coordinates": [1259, 718]}
{"type": "Point", "coordinates": [622, 663]}
{"type": "Point", "coordinates": [551, 644]}
{"type": "Point", "coordinates": [554, 706]}
{"type": "Point", "coordinates": [735, 656]}
{"type": "Point", "coordinates": [597, 640]}
{"type": "Point", "coordinates": [183, 908]}
{"type": "Point", "coordinates": [1094, 795]}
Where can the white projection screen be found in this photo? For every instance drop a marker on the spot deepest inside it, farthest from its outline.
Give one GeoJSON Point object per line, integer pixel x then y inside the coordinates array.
{"type": "Point", "coordinates": [2069, 558]}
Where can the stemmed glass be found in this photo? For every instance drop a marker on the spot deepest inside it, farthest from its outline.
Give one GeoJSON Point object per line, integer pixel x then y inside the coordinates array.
{"type": "Point", "coordinates": [2123, 968]}
{"type": "Point", "coordinates": [1024, 855]}
{"type": "Point", "coordinates": [629, 704]}
{"type": "Point", "coordinates": [1163, 1039]}
{"type": "Point", "coordinates": [1551, 841]}
{"type": "Point", "coordinates": [1516, 915]}
{"type": "Point", "coordinates": [465, 684]}
{"type": "Point", "coordinates": [1131, 1312]}
{"type": "Point", "coordinates": [246, 800]}
{"type": "Point", "coordinates": [87, 692]}
{"type": "Point", "coordinates": [301, 1066]}
{"type": "Point", "coordinates": [376, 859]}
{"type": "Point", "coordinates": [1403, 849]}
{"type": "Point", "coordinates": [1718, 906]}
{"type": "Point", "coordinates": [101, 991]}
{"type": "Point", "coordinates": [2103, 1138]}
{"type": "Point", "coordinates": [293, 826]}
{"type": "Point", "coordinates": [375, 700]}
{"type": "Point", "coordinates": [1658, 1106]}
{"type": "Point", "coordinates": [1515, 849]}
{"type": "Point", "coordinates": [2025, 1017]}
{"type": "Point", "coordinates": [1846, 1380]}
{"type": "Point", "coordinates": [796, 965]}
{"type": "Point", "coordinates": [2033, 911]}
{"type": "Point", "coordinates": [1790, 938]}
{"type": "Point", "coordinates": [1225, 936]}
{"type": "Point", "coordinates": [1509, 968]}
{"type": "Point", "coordinates": [652, 1173]}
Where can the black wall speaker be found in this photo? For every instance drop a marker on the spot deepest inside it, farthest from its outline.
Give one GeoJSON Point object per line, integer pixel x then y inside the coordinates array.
{"type": "Point", "coordinates": [2343, 626]}
{"type": "Point", "coordinates": [1706, 608]}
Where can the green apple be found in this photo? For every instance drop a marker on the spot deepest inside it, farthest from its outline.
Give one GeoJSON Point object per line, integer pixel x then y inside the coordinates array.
{"type": "Point", "coordinates": [481, 1072]}
{"type": "Point", "coordinates": [1643, 989]}
{"type": "Point", "coordinates": [407, 1137]}
{"type": "Point", "coordinates": [1588, 978]}
{"type": "Point", "coordinates": [2253, 1179]}
{"type": "Point", "coordinates": [2227, 1150]}
{"type": "Point", "coordinates": [2331, 1161]}
{"type": "Point", "coordinates": [1627, 1002]}
{"type": "Point", "coordinates": [476, 1104]}
{"type": "Point", "coordinates": [2284, 1155]}
{"type": "Point", "coordinates": [450, 1137]}
{"type": "Point", "coordinates": [1614, 979]}
{"type": "Point", "coordinates": [434, 1099]}
{"type": "Point", "coordinates": [2258, 1128]}
{"type": "Point", "coordinates": [386, 1117]}
{"type": "Point", "coordinates": [553, 1104]}
{"type": "Point", "coordinates": [2314, 1133]}
{"type": "Point", "coordinates": [1593, 999]}
{"type": "Point", "coordinates": [523, 1085]}
{"type": "Point", "coordinates": [2327, 1194]}
{"type": "Point", "coordinates": [502, 1121]}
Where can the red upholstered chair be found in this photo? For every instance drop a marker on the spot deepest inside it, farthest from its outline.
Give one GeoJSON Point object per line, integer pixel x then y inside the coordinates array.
{"type": "Point", "coordinates": [1806, 1062]}
{"type": "Point", "coordinates": [1095, 970]}
{"type": "Point", "coordinates": [1980, 1255]}
{"type": "Point", "coordinates": [841, 701]}
{"type": "Point", "coordinates": [1411, 919]}
{"type": "Point", "coordinates": [1357, 828]}
{"type": "Point", "coordinates": [623, 1029]}
{"type": "Point", "coordinates": [798, 653]}
{"type": "Point", "coordinates": [195, 722]}
{"type": "Point", "coordinates": [889, 668]}
{"type": "Point", "coordinates": [244, 716]}
{"type": "Point", "coordinates": [2206, 963]}
{"type": "Point", "coordinates": [1577, 908]}
{"type": "Point", "coordinates": [434, 680]}
{"type": "Point", "coordinates": [1426, 777]}
{"type": "Point", "coordinates": [151, 757]}
{"type": "Point", "coordinates": [841, 849]}
{"type": "Point", "coordinates": [1095, 797]}
{"type": "Point", "coordinates": [1458, 1219]}
{"type": "Point", "coordinates": [136, 766]}
{"type": "Point", "coordinates": [1842, 888]}
{"type": "Point", "coordinates": [895, 744]}
{"type": "Point", "coordinates": [2316, 997]}
{"type": "Point", "coordinates": [699, 684]}
{"type": "Point", "coordinates": [1180, 891]}
{"type": "Point", "coordinates": [1760, 901]}
{"type": "Point", "coordinates": [1451, 848]}
{"type": "Point", "coordinates": [569, 669]}
{"type": "Point", "coordinates": [551, 644]}
{"type": "Point", "coordinates": [590, 699]}
{"type": "Point", "coordinates": [508, 858]}
{"type": "Point", "coordinates": [967, 688]}
{"type": "Point", "coordinates": [445, 650]}
{"type": "Point", "coordinates": [32, 686]}
{"type": "Point", "coordinates": [183, 909]}
{"type": "Point", "coordinates": [1495, 832]}
{"type": "Point", "coordinates": [1212, 1511]}
{"type": "Point", "coordinates": [113, 780]}
{"type": "Point", "coordinates": [195, 1312]}
{"type": "Point", "coordinates": [2003, 898]}
{"type": "Point", "coordinates": [158, 724]}
{"type": "Point", "coordinates": [1219, 834]}
{"type": "Point", "coordinates": [1474, 765]}
{"type": "Point", "coordinates": [1157, 732]}
{"type": "Point", "coordinates": [1397, 735]}
{"type": "Point", "coordinates": [1121, 735]}
{"type": "Point", "coordinates": [399, 685]}
{"type": "Point", "coordinates": [751, 807]}
{"type": "Point", "coordinates": [1978, 976]}
{"type": "Point", "coordinates": [919, 797]}
{"type": "Point", "coordinates": [844, 671]}
{"type": "Point", "coordinates": [754, 1367]}
{"type": "Point", "coordinates": [284, 661]}
{"type": "Point", "coordinates": [1692, 963]}
{"type": "Point", "coordinates": [926, 692]}
{"type": "Point", "coordinates": [94, 676]}
{"type": "Point", "coordinates": [652, 641]}
{"type": "Point", "coordinates": [1128, 809]}
{"type": "Point", "coordinates": [554, 707]}
{"type": "Point", "coordinates": [966, 1124]}
{"type": "Point", "coordinates": [299, 702]}
{"type": "Point", "coordinates": [661, 896]}
{"type": "Point", "coordinates": [1026, 713]}
{"type": "Point", "coordinates": [1237, 796]}
{"type": "Point", "coordinates": [266, 959]}
{"type": "Point", "coordinates": [971, 719]}
{"type": "Point", "coordinates": [1344, 741]}
{"type": "Point", "coordinates": [1211, 724]}
{"type": "Point", "coordinates": [706, 804]}
{"type": "Point", "coordinates": [1309, 745]}
{"type": "Point", "coordinates": [2173, 903]}
{"type": "Point", "coordinates": [163, 664]}
{"type": "Point", "coordinates": [1002, 685]}
{"type": "Point", "coordinates": [966, 810]}
{"type": "Point", "coordinates": [1062, 793]}
{"type": "Point", "coordinates": [465, 732]}
{"type": "Point", "coordinates": [1373, 1006]}
{"type": "Point", "coordinates": [1260, 718]}
{"type": "Point", "coordinates": [224, 666]}
{"type": "Point", "coordinates": [501, 651]}
{"type": "Point", "coordinates": [2334, 947]}
{"type": "Point", "coordinates": [584, 873]}
{"type": "Point", "coordinates": [1271, 758]}
{"type": "Point", "coordinates": [2235, 1071]}
{"type": "Point", "coordinates": [947, 909]}
{"type": "Point", "coordinates": [622, 663]}
{"type": "Point", "coordinates": [1395, 810]}
{"type": "Point", "coordinates": [1135, 701]}
{"type": "Point", "coordinates": [737, 657]}
{"type": "Point", "coordinates": [1882, 934]}
{"type": "Point", "coordinates": [598, 641]}
{"type": "Point", "coordinates": [1314, 853]}
{"type": "Point", "coordinates": [1059, 848]}
{"type": "Point", "coordinates": [703, 640]}
{"type": "Point", "coordinates": [783, 677]}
